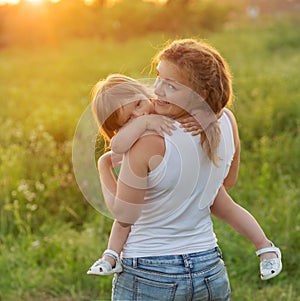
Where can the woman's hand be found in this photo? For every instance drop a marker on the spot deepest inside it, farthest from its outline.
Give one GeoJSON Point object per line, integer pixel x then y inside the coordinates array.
{"type": "Point", "coordinates": [105, 161]}
{"type": "Point", "coordinates": [116, 159]}
{"type": "Point", "coordinates": [190, 124]}
{"type": "Point", "coordinates": [199, 121]}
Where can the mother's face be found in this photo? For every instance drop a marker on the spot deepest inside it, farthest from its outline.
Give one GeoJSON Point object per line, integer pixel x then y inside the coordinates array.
{"type": "Point", "coordinates": [174, 97]}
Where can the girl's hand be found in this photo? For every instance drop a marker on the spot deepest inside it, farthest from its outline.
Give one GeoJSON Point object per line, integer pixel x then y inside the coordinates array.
{"type": "Point", "coordinates": [190, 124]}
{"type": "Point", "coordinates": [137, 127]}
{"type": "Point", "coordinates": [159, 124]}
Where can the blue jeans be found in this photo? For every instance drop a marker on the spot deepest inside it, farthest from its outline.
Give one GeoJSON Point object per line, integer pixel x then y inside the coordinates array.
{"type": "Point", "coordinates": [198, 276]}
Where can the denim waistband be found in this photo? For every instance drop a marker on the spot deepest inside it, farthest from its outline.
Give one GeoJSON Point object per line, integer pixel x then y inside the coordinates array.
{"type": "Point", "coordinates": [175, 259]}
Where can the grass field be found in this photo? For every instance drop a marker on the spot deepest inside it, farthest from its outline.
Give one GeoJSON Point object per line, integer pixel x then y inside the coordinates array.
{"type": "Point", "coordinates": [50, 235]}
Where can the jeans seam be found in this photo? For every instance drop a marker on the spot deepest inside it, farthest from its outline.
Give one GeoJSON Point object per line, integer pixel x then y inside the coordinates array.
{"type": "Point", "coordinates": [208, 288]}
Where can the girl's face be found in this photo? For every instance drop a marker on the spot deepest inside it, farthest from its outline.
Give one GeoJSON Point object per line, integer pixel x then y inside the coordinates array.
{"type": "Point", "coordinates": [139, 107]}
{"type": "Point", "coordinates": [170, 89]}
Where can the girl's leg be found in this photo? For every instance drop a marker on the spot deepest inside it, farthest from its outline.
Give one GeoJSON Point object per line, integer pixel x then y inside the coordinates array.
{"type": "Point", "coordinates": [118, 236]}
{"type": "Point", "coordinates": [244, 223]}
{"type": "Point", "coordinates": [110, 262]}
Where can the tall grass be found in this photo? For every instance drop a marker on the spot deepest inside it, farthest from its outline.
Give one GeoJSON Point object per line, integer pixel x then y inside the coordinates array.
{"type": "Point", "coordinates": [49, 235]}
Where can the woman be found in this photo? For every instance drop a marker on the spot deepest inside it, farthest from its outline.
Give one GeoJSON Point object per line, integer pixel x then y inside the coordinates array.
{"type": "Point", "coordinates": [172, 250]}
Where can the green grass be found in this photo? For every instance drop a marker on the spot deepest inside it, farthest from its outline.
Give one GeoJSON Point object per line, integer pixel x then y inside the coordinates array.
{"type": "Point", "coordinates": [49, 235]}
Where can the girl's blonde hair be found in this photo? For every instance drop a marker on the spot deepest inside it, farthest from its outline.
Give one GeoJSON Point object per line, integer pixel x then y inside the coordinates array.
{"type": "Point", "coordinates": [108, 96]}
{"type": "Point", "coordinates": [208, 75]}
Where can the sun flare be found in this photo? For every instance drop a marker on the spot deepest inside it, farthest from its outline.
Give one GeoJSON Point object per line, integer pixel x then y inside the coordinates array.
{"type": "Point", "coordinates": [35, 1]}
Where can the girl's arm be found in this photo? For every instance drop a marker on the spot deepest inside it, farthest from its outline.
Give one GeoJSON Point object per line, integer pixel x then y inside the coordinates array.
{"type": "Point", "coordinates": [225, 209]}
{"type": "Point", "coordinates": [137, 127]}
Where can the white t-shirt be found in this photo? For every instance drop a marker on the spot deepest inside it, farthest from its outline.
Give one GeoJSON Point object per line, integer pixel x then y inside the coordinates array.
{"type": "Point", "coordinates": [176, 219]}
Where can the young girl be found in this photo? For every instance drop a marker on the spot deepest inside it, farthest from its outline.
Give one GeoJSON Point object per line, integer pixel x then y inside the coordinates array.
{"type": "Point", "coordinates": [124, 112]}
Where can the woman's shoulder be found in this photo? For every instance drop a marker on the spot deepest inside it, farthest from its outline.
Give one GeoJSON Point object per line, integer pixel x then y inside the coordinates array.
{"type": "Point", "coordinates": [231, 119]}
{"type": "Point", "coordinates": [148, 151]}
{"type": "Point", "coordinates": [229, 114]}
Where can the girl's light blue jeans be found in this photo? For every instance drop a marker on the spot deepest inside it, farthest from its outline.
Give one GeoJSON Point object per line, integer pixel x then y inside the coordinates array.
{"type": "Point", "coordinates": [198, 276]}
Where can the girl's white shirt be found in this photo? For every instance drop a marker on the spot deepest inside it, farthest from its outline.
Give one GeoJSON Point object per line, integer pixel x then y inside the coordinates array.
{"type": "Point", "coordinates": [176, 218]}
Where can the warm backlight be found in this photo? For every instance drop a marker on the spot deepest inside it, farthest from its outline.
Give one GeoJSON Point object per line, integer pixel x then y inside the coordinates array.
{"type": "Point", "coordinates": [87, 2]}
{"type": "Point", "coordinates": [2, 2]}
{"type": "Point", "coordinates": [13, 2]}
{"type": "Point", "coordinates": [35, 1]}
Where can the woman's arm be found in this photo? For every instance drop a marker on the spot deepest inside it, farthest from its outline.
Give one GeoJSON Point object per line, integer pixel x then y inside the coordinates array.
{"type": "Point", "coordinates": [107, 179]}
{"type": "Point", "coordinates": [125, 197]}
{"type": "Point", "coordinates": [133, 130]}
{"type": "Point", "coordinates": [109, 185]}
{"type": "Point", "coordinates": [232, 176]}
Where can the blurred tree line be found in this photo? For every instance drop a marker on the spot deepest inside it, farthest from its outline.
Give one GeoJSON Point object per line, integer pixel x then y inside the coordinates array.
{"type": "Point", "coordinates": [50, 23]}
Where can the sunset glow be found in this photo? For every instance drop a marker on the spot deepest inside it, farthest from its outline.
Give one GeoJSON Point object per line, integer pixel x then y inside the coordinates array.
{"type": "Point", "coordinates": [13, 2]}
{"type": "Point", "coordinates": [157, 1]}
{"type": "Point", "coordinates": [35, 1]}
{"type": "Point", "coordinates": [87, 2]}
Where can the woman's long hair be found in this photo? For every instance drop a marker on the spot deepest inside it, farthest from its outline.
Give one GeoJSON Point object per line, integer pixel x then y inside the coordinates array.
{"type": "Point", "coordinates": [209, 76]}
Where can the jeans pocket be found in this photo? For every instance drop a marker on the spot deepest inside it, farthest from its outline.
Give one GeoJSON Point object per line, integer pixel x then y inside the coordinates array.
{"type": "Point", "coordinates": [146, 289]}
{"type": "Point", "coordinates": [218, 284]}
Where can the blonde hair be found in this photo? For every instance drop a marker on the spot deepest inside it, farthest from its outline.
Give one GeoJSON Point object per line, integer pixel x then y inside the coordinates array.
{"type": "Point", "coordinates": [107, 97]}
{"type": "Point", "coordinates": [208, 74]}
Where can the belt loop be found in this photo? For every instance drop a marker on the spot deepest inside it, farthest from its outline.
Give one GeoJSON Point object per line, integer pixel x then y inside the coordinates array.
{"type": "Point", "coordinates": [187, 261]}
{"type": "Point", "coordinates": [219, 252]}
{"type": "Point", "coordinates": [134, 262]}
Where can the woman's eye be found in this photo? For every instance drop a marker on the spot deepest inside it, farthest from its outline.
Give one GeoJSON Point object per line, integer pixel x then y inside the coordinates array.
{"type": "Point", "coordinates": [164, 83]}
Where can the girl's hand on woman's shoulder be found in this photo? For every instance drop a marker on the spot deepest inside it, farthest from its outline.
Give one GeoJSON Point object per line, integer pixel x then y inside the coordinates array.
{"type": "Point", "coordinates": [159, 124]}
